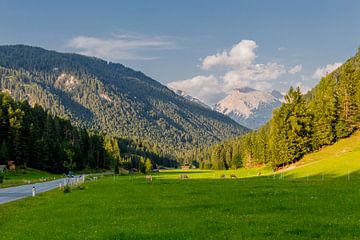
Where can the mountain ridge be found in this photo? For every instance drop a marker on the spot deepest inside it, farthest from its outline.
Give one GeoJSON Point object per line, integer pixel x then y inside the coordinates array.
{"type": "Point", "coordinates": [110, 97]}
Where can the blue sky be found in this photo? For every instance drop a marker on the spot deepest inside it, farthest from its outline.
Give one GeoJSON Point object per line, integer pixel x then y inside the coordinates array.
{"type": "Point", "coordinates": [287, 42]}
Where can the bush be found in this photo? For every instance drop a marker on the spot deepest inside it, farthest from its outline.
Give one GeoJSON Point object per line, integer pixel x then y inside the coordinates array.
{"type": "Point", "coordinates": [2, 176]}
{"type": "Point", "coordinates": [66, 189]}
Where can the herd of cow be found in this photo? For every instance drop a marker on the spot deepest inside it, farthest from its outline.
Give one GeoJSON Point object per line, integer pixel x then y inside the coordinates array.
{"type": "Point", "coordinates": [149, 178]}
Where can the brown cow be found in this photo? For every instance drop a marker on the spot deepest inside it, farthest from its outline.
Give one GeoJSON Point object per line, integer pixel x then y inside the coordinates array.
{"type": "Point", "coordinates": [184, 176]}
{"type": "Point", "coordinates": [222, 176]}
{"type": "Point", "coordinates": [233, 175]}
{"type": "Point", "coordinates": [148, 178]}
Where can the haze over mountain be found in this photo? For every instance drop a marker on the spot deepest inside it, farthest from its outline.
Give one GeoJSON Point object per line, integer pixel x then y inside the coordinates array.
{"type": "Point", "coordinates": [191, 98]}
{"type": "Point", "coordinates": [110, 97]}
{"type": "Point", "coordinates": [249, 107]}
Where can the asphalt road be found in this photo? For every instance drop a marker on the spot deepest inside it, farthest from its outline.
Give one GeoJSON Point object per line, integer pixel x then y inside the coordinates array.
{"type": "Point", "coordinates": [15, 193]}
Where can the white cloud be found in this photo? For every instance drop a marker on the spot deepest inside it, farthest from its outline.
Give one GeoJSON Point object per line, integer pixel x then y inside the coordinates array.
{"type": "Point", "coordinates": [210, 89]}
{"type": "Point", "coordinates": [323, 71]}
{"type": "Point", "coordinates": [295, 69]}
{"type": "Point", "coordinates": [258, 72]}
{"type": "Point", "coordinates": [117, 47]}
{"type": "Point", "coordinates": [241, 71]}
{"type": "Point", "coordinates": [240, 54]}
{"type": "Point", "coordinates": [206, 88]}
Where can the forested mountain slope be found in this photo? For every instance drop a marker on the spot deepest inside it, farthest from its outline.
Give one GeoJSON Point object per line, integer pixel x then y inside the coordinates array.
{"type": "Point", "coordinates": [33, 138]}
{"type": "Point", "coordinates": [302, 124]}
{"type": "Point", "coordinates": [111, 98]}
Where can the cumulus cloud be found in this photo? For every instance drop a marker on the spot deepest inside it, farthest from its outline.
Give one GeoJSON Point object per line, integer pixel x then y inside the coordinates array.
{"type": "Point", "coordinates": [295, 69]}
{"type": "Point", "coordinates": [206, 88]}
{"type": "Point", "coordinates": [241, 71]}
{"type": "Point", "coordinates": [240, 54]}
{"type": "Point", "coordinates": [323, 71]}
{"type": "Point", "coordinates": [118, 47]}
{"type": "Point", "coordinates": [258, 72]}
{"type": "Point", "coordinates": [210, 89]}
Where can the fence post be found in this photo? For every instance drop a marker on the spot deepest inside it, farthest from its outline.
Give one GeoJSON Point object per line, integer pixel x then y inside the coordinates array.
{"type": "Point", "coordinates": [33, 191]}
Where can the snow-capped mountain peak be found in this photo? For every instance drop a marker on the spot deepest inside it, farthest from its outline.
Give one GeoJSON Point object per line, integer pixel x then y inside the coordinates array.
{"type": "Point", "coordinates": [249, 107]}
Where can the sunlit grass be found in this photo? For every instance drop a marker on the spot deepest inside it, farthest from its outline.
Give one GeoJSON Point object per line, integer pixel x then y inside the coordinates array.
{"type": "Point", "coordinates": [197, 208]}
{"type": "Point", "coordinates": [212, 174]}
{"type": "Point", "coordinates": [317, 198]}
{"type": "Point", "coordinates": [339, 160]}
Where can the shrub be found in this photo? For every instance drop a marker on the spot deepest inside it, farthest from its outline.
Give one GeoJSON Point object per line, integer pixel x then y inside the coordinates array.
{"type": "Point", "coordinates": [66, 189]}
{"type": "Point", "coordinates": [2, 176]}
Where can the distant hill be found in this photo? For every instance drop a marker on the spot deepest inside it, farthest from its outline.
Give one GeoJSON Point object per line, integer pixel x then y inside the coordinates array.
{"type": "Point", "coordinates": [111, 98]}
{"type": "Point", "coordinates": [249, 107]}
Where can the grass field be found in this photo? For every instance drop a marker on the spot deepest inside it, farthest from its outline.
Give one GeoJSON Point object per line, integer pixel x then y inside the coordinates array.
{"type": "Point", "coordinates": [312, 199]}
{"type": "Point", "coordinates": [25, 176]}
{"type": "Point", "coordinates": [341, 160]}
{"type": "Point", "coordinates": [169, 208]}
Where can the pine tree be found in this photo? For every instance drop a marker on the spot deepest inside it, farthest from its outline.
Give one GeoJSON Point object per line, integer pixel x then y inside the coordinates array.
{"type": "Point", "coordinates": [4, 154]}
{"type": "Point", "coordinates": [148, 166]}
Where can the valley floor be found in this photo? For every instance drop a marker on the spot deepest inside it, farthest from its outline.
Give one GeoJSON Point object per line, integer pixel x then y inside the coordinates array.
{"type": "Point", "coordinates": [197, 208]}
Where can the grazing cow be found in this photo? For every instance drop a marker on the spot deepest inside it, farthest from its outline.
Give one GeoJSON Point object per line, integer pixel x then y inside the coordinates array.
{"type": "Point", "coordinates": [233, 175]}
{"type": "Point", "coordinates": [259, 173]}
{"type": "Point", "coordinates": [222, 176]}
{"type": "Point", "coordinates": [148, 178]}
{"type": "Point", "coordinates": [184, 176]}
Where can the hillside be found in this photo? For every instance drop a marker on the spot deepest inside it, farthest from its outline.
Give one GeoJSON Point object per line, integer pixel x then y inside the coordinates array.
{"type": "Point", "coordinates": [337, 160]}
{"type": "Point", "coordinates": [33, 138]}
{"type": "Point", "coordinates": [111, 98]}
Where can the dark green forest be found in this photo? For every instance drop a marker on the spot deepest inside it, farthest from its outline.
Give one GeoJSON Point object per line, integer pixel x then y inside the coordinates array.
{"type": "Point", "coordinates": [303, 124]}
{"type": "Point", "coordinates": [34, 138]}
{"type": "Point", "coordinates": [112, 99]}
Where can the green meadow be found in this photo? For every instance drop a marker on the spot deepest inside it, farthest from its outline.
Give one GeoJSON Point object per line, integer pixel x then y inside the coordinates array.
{"type": "Point", "coordinates": [247, 208]}
{"type": "Point", "coordinates": [341, 160]}
{"type": "Point", "coordinates": [313, 199]}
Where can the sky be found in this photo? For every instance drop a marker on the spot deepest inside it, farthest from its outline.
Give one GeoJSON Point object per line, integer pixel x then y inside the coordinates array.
{"type": "Point", "coordinates": [205, 48]}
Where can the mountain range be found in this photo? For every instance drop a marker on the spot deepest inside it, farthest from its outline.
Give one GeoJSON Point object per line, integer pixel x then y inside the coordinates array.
{"type": "Point", "coordinates": [249, 107]}
{"type": "Point", "coordinates": [110, 98]}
